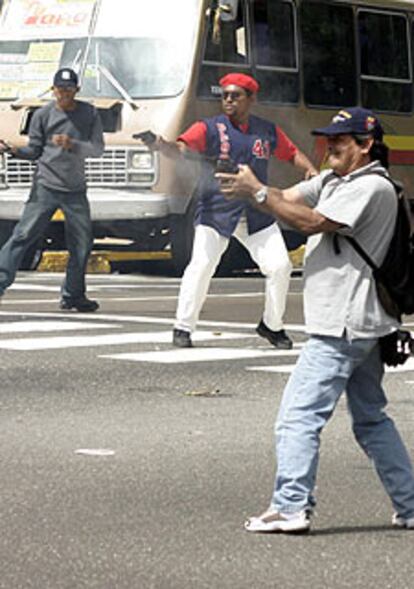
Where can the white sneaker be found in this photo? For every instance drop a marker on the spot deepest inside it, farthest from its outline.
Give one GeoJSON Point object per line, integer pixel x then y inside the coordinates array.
{"type": "Point", "coordinates": [273, 521]}
{"type": "Point", "coordinates": [401, 522]}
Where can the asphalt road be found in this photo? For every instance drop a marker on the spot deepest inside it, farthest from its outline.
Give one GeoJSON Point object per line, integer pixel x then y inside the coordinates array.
{"type": "Point", "coordinates": [188, 437]}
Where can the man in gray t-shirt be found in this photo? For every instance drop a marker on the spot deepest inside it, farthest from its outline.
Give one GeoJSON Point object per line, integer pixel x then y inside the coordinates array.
{"type": "Point", "coordinates": [343, 316]}
{"type": "Point", "coordinates": [62, 134]}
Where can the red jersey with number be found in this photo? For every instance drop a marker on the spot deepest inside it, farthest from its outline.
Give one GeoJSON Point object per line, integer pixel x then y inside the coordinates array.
{"type": "Point", "coordinates": [253, 144]}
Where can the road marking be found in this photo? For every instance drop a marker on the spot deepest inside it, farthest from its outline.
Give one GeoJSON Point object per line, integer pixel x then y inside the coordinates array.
{"type": "Point", "coordinates": [36, 287]}
{"type": "Point", "coordinates": [199, 355]}
{"type": "Point", "coordinates": [282, 368]}
{"type": "Point", "coordinates": [58, 277]}
{"type": "Point", "coordinates": [95, 452]}
{"type": "Point", "coordinates": [92, 287]}
{"type": "Point", "coordinates": [240, 295]}
{"type": "Point", "coordinates": [50, 343]}
{"type": "Point", "coordinates": [30, 326]}
{"type": "Point", "coordinates": [131, 286]}
{"type": "Point", "coordinates": [144, 319]}
{"type": "Point", "coordinates": [65, 322]}
{"type": "Point", "coordinates": [288, 368]}
{"type": "Point", "coordinates": [143, 299]}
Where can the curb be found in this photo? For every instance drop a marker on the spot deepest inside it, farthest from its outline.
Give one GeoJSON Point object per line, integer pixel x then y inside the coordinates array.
{"type": "Point", "coordinates": [99, 261]}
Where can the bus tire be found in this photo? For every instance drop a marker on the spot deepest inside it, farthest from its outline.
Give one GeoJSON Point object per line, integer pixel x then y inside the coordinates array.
{"type": "Point", "coordinates": [182, 237]}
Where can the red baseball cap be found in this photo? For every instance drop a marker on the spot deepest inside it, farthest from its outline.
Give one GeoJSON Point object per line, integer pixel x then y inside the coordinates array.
{"type": "Point", "coordinates": [241, 80]}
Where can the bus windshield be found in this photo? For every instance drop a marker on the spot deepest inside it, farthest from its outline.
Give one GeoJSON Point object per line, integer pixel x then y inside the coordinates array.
{"type": "Point", "coordinates": [119, 48]}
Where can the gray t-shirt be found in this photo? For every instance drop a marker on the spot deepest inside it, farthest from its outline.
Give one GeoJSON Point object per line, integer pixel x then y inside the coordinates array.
{"type": "Point", "coordinates": [340, 295]}
{"type": "Point", "coordinates": [57, 168]}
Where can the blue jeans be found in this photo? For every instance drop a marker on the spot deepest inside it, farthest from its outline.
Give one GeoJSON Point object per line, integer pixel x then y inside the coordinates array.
{"type": "Point", "coordinates": [326, 367]}
{"type": "Point", "coordinates": [37, 213]}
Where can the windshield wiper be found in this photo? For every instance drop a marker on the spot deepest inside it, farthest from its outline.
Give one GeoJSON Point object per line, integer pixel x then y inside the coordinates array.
{"type": "Point", "coordinates": [116, 84]}
{"type": "Point", "coordinates": [75, 65]}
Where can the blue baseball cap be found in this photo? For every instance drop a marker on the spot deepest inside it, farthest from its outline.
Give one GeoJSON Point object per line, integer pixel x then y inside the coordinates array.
{"type": "Point", "coordinates": [353, 121]}
{"type": "Point", "coordinates": [66, 78]}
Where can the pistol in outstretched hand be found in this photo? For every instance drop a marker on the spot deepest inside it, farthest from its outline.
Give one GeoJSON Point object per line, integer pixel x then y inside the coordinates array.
{"type": "Point", "coordinates": [147, 137]}
{"type": "Point", "coordinates": [4, 146]}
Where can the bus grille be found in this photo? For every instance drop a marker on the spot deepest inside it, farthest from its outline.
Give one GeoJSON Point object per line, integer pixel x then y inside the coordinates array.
{"type": "Point", "coordinates": [108, 170]}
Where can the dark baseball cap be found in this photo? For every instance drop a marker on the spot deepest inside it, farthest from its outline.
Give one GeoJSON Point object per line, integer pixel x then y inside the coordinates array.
{"type": "Point", "coordinates": [353, 121]}
{"type": "Point", "coordinates": [66, 77]}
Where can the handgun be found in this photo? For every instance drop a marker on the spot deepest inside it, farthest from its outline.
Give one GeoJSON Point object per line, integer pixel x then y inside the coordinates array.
{"type": "Point", "coordinates": [146, 137]}
{"type": "Point", "coordinates": [226, 166]}
{"type": "Point", "coordinates": [7, 148]}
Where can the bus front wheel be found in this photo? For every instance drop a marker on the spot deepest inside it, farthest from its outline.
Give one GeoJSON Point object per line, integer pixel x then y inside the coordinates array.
{"type": "Point", "coordinates": [182, 236]}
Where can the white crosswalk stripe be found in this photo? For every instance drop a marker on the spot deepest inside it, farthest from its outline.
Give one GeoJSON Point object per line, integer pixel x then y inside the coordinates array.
{"type": "Point", "coordinates": [230, 341]}
{"type": "Point", "coordinates": [282, 368]}
{"type": "Point", "coordinates": [33, 326]}
{"type": "Point", "coordinates": [287, 368]}
{"type": "Point", "coordinates": [200, 355]}
{"type": "Point", "coordinates": [196, 354]}
{"type": "Point", "coordinates": [50, 343]}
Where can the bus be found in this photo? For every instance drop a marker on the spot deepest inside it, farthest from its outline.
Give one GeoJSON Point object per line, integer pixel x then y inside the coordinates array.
{"type": "Point", "coordinates": [156, 65]}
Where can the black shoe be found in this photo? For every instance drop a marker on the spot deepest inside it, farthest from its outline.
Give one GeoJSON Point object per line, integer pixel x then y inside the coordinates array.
{"type": "Point", "coordinates": [279, 339]}
{"type": "Point", "coordinates": [182, 339]}
{"type": "Point", "coordinates": [83, 305]}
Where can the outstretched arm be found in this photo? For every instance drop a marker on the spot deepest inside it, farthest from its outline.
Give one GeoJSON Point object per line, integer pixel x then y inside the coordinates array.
{"type": "Point", "coordinates": [171, 149]}
{"type": "Point", "coordinates": [34, 149]}
{"type": "Point", "coordinates": [193, 140]}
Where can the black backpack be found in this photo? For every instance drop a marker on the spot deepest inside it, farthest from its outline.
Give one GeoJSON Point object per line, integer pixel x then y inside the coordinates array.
{"type": "Point", "coordinates": [394, 278]}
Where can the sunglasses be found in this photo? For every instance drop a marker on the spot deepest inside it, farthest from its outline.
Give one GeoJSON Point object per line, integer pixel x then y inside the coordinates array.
{"type": "Point", "coordinates": [232, 95]}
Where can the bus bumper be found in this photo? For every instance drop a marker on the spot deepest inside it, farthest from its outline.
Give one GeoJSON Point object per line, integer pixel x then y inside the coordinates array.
{"type": "Point", "coordinates": [106, 204]}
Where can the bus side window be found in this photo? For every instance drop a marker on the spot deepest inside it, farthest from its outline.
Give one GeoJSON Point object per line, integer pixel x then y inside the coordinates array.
{"type": "Point", "coordinates": [275, 50]}
{"type": "Point", "coordinates": [230, 46]}
{"type": "Point", "coordinates": [386, 77]}
{"type": "Point", "coordinates": [328, 54]}
{"type": "Point", "coordinates": [274, 33]}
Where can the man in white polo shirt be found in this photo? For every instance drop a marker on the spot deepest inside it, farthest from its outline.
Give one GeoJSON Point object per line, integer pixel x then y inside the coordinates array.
{"type": "Point", "coordinates": [343, 316]}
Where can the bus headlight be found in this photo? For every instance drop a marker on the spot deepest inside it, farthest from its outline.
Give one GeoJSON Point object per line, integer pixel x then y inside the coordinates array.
{"type": "Point", "coordinates": [141, 160]}
{"type": "Point", "coordinates": [142, 166]}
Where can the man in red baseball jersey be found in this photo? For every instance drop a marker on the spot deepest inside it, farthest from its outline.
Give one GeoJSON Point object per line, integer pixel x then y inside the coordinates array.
{"type": "Point", "coordinates": [242, 138]}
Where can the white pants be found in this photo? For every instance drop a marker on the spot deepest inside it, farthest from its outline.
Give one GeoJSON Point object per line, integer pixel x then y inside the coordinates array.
{"type": "Point", "coordinates": [268, 250]}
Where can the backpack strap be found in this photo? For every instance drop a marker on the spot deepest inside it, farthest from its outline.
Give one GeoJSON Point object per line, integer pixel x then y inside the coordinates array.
{"type": "Point", "coordinates": [397, 185]}
{"type": "Point", "coordinates": [360, 250]}
{"type": "Point", "coordinates": [357, 247]}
